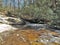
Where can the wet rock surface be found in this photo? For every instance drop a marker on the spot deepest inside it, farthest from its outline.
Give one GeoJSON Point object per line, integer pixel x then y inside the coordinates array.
{"type": "Point", "coordinates": [6, 27]}
{"type": "Point", "coordinates": [30, 37]}
{"type": "Point", "coordinates": [27, 34]}
{"type": "Point", "coordinates": [10, 20]}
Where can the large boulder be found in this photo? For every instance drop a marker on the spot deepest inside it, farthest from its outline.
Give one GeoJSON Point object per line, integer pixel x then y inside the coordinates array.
{"type": "Point", "coordinates": [10, 20]}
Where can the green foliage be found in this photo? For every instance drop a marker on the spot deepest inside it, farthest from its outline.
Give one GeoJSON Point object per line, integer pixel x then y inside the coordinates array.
{"type": "Point", "coordinates": [38, 9]}
{"type": "Point", "coordinates": [41, 9]}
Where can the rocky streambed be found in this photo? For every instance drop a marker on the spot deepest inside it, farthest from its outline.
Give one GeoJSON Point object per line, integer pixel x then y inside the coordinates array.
{"type": "Point", "coordinates": [30, 37]}
{"type": "Point", "coordinates": [28, 34]}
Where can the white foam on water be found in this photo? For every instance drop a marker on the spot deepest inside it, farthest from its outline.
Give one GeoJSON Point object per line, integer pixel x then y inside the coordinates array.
{"type": "Point", "coordinates": [5, 27]}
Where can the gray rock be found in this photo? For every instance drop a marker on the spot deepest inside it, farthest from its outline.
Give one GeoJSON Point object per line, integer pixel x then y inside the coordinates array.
{"type": "Point", "coordinates": [35, 26]}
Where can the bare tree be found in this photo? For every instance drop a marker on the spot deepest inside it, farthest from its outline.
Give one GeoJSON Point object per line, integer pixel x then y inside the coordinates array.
{"type": "Point", "coordinates": [10, 4]}
{"type": "Point", "coordinates": [13, 1]}
{"type": "Point", "coordinates": [18, 4]}
{"type": "Point", "coordinates": [6, 2]}
{"type": "Point", "coordinates": [1, 3]}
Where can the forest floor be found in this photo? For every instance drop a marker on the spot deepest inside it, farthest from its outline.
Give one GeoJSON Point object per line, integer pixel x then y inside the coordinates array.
{"type": "Point", "coordinates": [30, 37]}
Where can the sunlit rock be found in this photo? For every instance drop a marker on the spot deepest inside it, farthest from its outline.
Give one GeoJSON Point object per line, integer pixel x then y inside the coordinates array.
{"type": "Point", "coordinates": [5, 27]}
